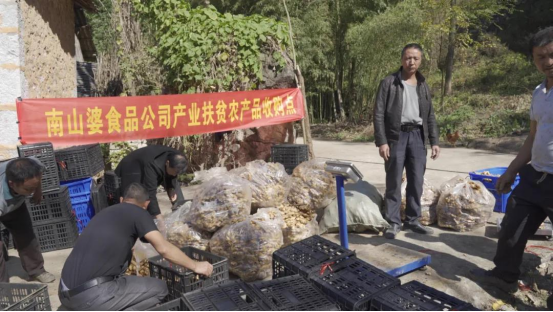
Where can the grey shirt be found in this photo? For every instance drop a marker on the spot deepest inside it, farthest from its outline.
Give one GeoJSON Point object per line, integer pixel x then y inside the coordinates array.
{"type": "Point", "coordinates": [411, 112]}
{"type": "Point", "coordinates": [542, 113]}
{"type": "Point", "coordinates": [9, 202]}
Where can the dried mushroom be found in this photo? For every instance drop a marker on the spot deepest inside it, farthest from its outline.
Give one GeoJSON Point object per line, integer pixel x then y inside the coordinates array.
{"type": "Point", "coordinates": [249, 246]}
{"type": "Point", "coordinates": [182, 234]}
{"type": "Point", "coordinates": [269, 182]}
{"type": "Point", "coordinates": [312, 187]}
{"type": "Point", "coordinates": [299, 224]}
{"type": "Point", "coordinates": [221, 201]}
{"type": "Point", "coordinates": [465, 206]}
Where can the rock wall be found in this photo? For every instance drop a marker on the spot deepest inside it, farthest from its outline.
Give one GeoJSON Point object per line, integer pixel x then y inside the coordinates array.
{"type": "Point", "coordinates": [49, 48]}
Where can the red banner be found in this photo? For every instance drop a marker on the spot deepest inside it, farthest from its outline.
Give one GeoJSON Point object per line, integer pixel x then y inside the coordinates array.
{"type": "Point", "coordinates": [77, 121]}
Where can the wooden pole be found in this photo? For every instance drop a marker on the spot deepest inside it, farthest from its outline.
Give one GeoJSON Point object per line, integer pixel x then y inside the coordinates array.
{"type": "Point", "coordinates": [305, 124]}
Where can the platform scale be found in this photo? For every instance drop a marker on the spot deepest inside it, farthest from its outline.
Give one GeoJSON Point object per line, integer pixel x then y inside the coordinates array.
{"type": "Point", "coordinates": [412, 260]}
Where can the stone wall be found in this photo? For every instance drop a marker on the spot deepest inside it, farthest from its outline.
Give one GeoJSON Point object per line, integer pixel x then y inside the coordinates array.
{"type": "Point", "coordinates": [10, 76]}
{"type": "Point", "coordinates": [37, 58]}
{"type": "Point", "coordinates": [49, 48]}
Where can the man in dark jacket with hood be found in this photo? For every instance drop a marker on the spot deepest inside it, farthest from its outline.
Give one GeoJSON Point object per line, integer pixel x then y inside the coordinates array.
{"type": "Point", "coordinates": [152, 166]}
{"type": "Point", "coordinates": [404, 124]}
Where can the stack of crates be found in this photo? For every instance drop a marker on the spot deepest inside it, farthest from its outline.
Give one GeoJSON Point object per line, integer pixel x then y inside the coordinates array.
{"type": "Point", "coordinates": [53, 219]}
{"type": "Point", "coordinates": [81, 170]}
{"type": "Point", "coordinates": [111, 185]}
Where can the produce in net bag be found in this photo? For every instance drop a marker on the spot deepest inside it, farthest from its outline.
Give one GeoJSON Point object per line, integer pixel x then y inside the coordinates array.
{"type": "Point", "coordinates": [363, 206]}
{"type": "Point", "coordinates": [270, 214]}
{"type": "Point", "coordinates": [248, 246]}
{"type": "Point", "coordinates": [465, 206]}
{"type": "Point", "coordinates": [206, 175]}
{"type": "Point", "coordinates": [182, 234]}
{"type": "Point", "coordinates": [429, 200]}
{"type": "Point", "coordinates": [221, 201]}
{"type": "Point", "coordinates": [312, 187]}
{"type": "Point", "coordinates": [269, 182]}
{"type": "Point", "coordinates": [298, 224]}
{"type": "Point", "coordinates": [139, 264]}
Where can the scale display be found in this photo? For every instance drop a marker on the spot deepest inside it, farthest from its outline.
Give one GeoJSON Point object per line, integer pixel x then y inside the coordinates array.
{"type": "Point", "coordinates": [344, 169]}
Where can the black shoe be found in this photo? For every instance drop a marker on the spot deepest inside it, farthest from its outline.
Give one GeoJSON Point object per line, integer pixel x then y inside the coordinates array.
{"type": "Point", "coordinates": [392, 231]}
{"type": "Point", "coordinates": [418, 228]}
{"type": "Point", "coordinates": [491, 277]}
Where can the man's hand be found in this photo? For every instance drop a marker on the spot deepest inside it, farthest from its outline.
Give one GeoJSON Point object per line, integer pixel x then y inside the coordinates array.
{"type": "Point", "coordinates": [435, 152]}
{"type": "Point", "coordinates": [504, 183]}
{"type": "Point", "coordinates": [203, 268]}
{"type": "Point", "coordinates": [172, 195]}
{"type": "Point", "coordinates": [384, 151]}
{"type": "Point", "coordinates": [37, 196]}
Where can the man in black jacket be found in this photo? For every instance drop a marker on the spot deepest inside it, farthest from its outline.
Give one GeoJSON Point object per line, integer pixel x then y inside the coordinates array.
{"type": "Point", "coordinates": [152, 166]}
{"type": "Point", "coordinates": [404, 123]}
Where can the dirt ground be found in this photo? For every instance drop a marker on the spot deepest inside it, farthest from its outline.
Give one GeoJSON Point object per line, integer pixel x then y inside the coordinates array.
{"type": "Point", "coordinates": [453, 254]}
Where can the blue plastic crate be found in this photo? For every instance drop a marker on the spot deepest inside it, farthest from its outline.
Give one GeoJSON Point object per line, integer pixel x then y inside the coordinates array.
{"type": "Point", "coordinates": [81, 200]}
{"type": "Point", "coordinates": [490, 181]}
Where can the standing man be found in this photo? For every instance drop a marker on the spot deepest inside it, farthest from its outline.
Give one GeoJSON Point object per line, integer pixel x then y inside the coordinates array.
{"type": "Point", "coordinates": [19, 178]}
{"type": "Point", "coordinates": [152, 166]}
{"type": "Point", "coordinates": [92, 278]}
{"type": "Point", "coordinates": [404, 123]}
{"type": "Point", "coordinates": [533, 197]}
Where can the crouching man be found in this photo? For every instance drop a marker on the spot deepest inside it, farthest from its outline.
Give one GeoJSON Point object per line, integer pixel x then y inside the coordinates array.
{"type": "Point", "coordinates": [92, 277]}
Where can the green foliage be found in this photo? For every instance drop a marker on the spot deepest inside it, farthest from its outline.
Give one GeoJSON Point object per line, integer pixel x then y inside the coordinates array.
{"type": "Point", "coordinates": [115, 152]}
{"type": "Point", "coordinates": [204, 50]}
{"type": "Point", "coordinates": [505, 122]}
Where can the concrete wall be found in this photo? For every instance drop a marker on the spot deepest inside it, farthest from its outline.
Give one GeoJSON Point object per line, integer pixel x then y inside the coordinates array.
{"type": "Point", "coordinates": [10, 76]}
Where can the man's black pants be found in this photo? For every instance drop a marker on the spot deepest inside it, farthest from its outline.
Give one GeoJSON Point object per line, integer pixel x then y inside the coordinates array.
{"type": "Point", "coordinates": [530, 204]}
{"type": "Point", "coordinates": [20, 225]}
{"type": "Point", "coordinates": [409, 153]}
{"type": "Point", "coordinates": [131, 293]}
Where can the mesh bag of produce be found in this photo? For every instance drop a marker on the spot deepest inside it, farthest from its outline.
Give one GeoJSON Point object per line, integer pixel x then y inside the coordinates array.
{"type": "Point", "coordinates": [249, 246]}
{"type": "Point", "coordinates": [181, 232]}
{"type": "Point", "coordinates": [269, 182]}
{"type": "Point", "coordinates": [270, 214]}
{"type": "Point", "coordinates": [298, 224]}
{"type": "Point", "coordinates": [221, 201]}
{"type": "Point", "coordinates": [312, 187]}
{"type": "Point", "coordinates": [429, 200]}
{"type": "Point", "coordinates": [139, 264]}
{"type": "Point", "coordinates": [465, 206]}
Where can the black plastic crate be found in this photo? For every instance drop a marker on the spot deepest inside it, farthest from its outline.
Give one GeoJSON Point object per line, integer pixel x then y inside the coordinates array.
{"type": "Point", "coordinates": [55, 206]}
{"type": "Point", "coordinates": [289, 155]}
{"type": "Point", "coordinates": [24, 297]}
{"type": "Point", "coordinates": [352, 283]}
{"type": "Point", "coordinates": [6, 237]}
{"type": "Point", "coordinates": [415, 296]}
{"type": "Point", "coordinates": [229, 296]}
{"type": "Point", "coordinates": [307, 256]}
{"type": "Point", "coordinates": [292, 293]}
{"type": "Point", "coordinates": [99, 197]}
{"type": "Point", "coordinates": [181, 280]}
{"type": "Point", "coordinates": [45, 153]}
{"type": "Point", "coordinates": [111, 184]}
{"type": "Point", "coordinates": [173, 305]}
{"type": "Point", "coordinates": [79, 162]}
{"type": "Point", "coordinates": [57, 235]}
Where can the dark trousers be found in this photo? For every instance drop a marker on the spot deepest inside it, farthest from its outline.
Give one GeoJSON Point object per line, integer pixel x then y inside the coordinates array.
{"type": "Point", "coordinates": [409, 153]}
{"type": "Point", "coordinates": [530, 203]}
{"type": "Point", "coordinates": [132, 293]}
{"type": "Point", "coordinates": [19, 223]}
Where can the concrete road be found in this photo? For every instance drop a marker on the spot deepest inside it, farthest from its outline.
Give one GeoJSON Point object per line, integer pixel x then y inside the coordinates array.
{"type": "Point", "coordinates": [453, 254]}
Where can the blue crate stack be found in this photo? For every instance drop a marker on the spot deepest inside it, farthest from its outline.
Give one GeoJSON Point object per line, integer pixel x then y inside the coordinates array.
{"type": "Point", "coordinates": [81, 171]}
{"type": "Point", "coordinates": [53, 219]}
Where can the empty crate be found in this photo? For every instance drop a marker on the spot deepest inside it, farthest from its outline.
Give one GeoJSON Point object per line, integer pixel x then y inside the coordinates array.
{"type": "Point", "coordinates": [44, 152]}
{"type": "Point", "coordinates": [289, 155]}
{"type": "Point", "coordinates": [79, 162]}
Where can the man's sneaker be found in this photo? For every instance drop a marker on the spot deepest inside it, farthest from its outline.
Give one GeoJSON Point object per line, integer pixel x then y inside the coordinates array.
{"type": "Point", "coordinates": [45, 277]}
{"type": "Point", "coordinates": [489, 276]}
{"type": "Point", "coordinates": [392, 231]}
{"type": "Point", "coordinates": [418, 228]}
